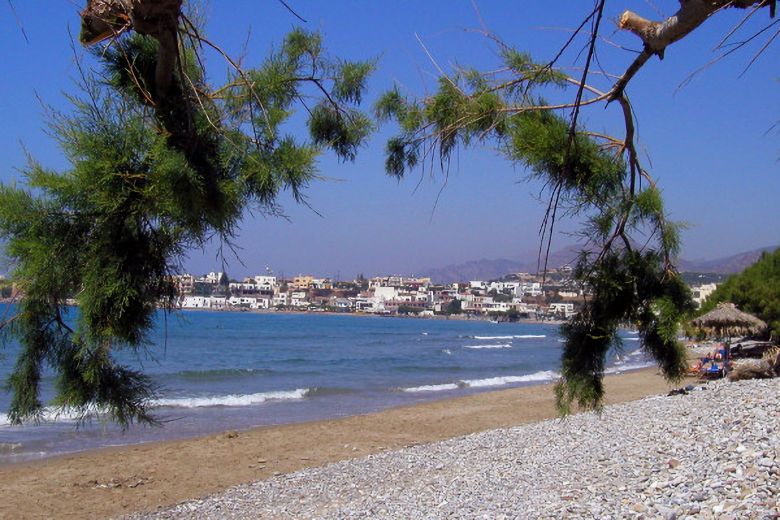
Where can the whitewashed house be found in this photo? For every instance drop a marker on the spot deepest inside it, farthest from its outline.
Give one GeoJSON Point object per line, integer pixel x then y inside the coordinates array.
{"type": "Point", "coordinates": [195, 302]}
{"type": "Point", "coordinates": [561, 309]}
{"type": "Point", "coordinates": [298, 299]}
{"type": "Point", "coordinates": [282, 299]}
{"type": "Point", "coordinates": [243, 301]}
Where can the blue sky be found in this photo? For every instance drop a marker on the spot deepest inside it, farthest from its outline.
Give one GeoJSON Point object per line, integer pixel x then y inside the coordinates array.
{"type": "Point", "coordinates": [709, 144]}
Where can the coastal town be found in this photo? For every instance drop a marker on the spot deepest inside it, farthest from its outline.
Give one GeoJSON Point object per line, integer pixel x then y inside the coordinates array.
{"type": "Point", "coordinates": [514, 296]}
{"type": "Point", "coordinates": [511, 297]}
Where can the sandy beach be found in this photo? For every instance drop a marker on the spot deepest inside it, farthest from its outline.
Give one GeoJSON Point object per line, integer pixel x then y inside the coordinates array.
{"type": "Point", "coordinates": [115, 481]}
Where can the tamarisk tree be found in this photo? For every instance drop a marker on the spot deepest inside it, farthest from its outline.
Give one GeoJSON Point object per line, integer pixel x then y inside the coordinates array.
{"type": "Point", "coordinates": [627, 264]}
{"type": "Point", "coordinates": [161, 161]}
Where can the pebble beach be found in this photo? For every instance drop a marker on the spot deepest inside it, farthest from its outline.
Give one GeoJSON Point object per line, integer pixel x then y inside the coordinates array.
{"type": "Point", "coordinates": [711, 453]}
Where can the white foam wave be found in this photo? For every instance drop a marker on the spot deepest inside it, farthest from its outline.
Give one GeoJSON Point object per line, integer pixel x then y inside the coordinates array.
{"type": "Point", "coordinates": [493, 337]}
{"type": "Point", "coordinates": [9, 447]}
{"type": "Point", "coordinates": [431, 388]}
{"type": "Point", "coordinates": [503, 345]}
{"type": "Point", "coordinates": [527, 336]}
{"type": "Point", "coordinates": [232, 399]}
{"type": "Point", "coordinates": [626, 367]}
{"type": "Point", "coordinates": [53, 414]}
{"type": "Point", "coordinates": [545, 375]}
{"type": "Point", "coordinates": [68, 415]}
{"type": "Point", "coordinates": [630, 339]}
{"type": "Point", "coordinates": [446, 351]}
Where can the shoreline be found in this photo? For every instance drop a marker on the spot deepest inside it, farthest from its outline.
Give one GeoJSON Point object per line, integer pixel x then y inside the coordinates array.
{"type": "Point", "coordinates": [667, 456]}
{"type": "Point", "coordinates": [461, 317]}
{"type": "Point", "coordinates": [120, 480]}
{"type": "Point", "coordinates": [444, 317]}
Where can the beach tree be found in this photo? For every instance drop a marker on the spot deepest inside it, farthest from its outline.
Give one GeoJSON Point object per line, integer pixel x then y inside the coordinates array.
{"type": "Point", "coordinates": [162, 160]}
{"type": "Point", "coordinates": [627, 262]}
{"type": "Point", "coordinates": [755, 290]}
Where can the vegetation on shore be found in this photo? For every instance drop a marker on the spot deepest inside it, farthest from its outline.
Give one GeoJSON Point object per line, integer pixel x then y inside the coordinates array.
{"type": "Point", "coordinates": [756, 290]}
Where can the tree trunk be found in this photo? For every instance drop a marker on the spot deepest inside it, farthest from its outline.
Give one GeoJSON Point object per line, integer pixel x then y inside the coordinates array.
{"type": "Point", "coordinates": [103, 19]}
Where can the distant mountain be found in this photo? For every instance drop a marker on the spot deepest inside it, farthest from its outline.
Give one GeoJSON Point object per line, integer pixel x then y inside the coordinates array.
{"type": "Point", "coordinates": [474, 270]}
{"type": "Point", "coordinates": [491, 269]}
{"type": "Point", "coordinates": [729, 265]}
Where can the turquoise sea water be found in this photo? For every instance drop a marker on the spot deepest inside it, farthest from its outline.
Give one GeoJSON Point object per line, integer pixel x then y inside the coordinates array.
{"type": "Point", "coordinates": [232, 370]}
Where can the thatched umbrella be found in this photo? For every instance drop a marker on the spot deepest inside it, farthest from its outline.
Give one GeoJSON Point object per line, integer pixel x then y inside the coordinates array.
{"type": "Point", "coordinates": [726, 320]}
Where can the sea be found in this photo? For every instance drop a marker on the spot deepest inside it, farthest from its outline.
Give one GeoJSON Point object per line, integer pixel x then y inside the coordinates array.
{"type": "Point", "coordinates": [219, 371]}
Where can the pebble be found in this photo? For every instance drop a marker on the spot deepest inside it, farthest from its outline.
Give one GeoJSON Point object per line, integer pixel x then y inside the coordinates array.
{"type": "Point", "coordinates": [710, 454]}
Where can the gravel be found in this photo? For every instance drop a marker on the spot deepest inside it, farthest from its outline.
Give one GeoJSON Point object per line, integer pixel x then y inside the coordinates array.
{"type": "Point", "coordinates": [713, 453]}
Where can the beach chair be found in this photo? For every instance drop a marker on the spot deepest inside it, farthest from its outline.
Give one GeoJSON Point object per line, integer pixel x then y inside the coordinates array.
{"type": "Point", "coordinates": [713, 371]}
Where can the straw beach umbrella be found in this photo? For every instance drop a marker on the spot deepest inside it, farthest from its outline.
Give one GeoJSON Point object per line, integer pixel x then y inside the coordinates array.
{"type": "Point", "coordinates": [726, 320]}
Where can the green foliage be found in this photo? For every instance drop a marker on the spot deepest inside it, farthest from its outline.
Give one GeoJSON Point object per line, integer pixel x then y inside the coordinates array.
{"type": "Point", "coordinates": [589, 175]}
{"type": "Point", "coordinates": [756, 290]}
{"type": "Point", "coordinates": [527, 71]}
{"type": "Point", "coordinates": [540, 140]}
{"type": "Point", "coordinates": [500, 297]}
{"type": "Point", "coordinates": [454, 307]}
{"type": "Point", "coordinates": [149, 178]}
{"type": "Point", "coordinates": [327, 127]}
{"type": "Point", "coordinates": [626, 286]}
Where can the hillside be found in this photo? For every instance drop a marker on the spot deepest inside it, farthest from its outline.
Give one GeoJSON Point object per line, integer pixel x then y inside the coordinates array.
{"type": "Point", "coordinates": [728, 265]}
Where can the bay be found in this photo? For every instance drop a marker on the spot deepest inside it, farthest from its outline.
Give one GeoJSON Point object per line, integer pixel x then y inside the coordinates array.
{"type": "Point", "coordinates": [235, 370]}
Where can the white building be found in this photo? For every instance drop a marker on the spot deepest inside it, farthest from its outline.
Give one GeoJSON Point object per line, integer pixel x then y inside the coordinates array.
{"type": "Point", "coordinates": [510, 288]}
{"type": "Point", "coordinates": [385, 293]}
{"type": "Point", "coordinates": [203, 302]}
{"type": "Point", "coordinates": [561, 309]}
{"type": "Point", "coordinates": [702, 292]}
{"type": "Point", "coordinates": [532, 289]}
{"type": "Point", "coordinates": [243, 287]}
{"type": "Point", "coordinates": [265, 283]}
{"type": "Point", "coordinates": [321, 283]}
{"type": "Point", "coordinates": [298, 299]}
{"type": "Point", "coordinates": [265, 280]}
{"type": "Point", "coordinates": [248, 302]}
{"type": "Point", "coordinates": [341, 303]}
{"type": "Point", "coordinates": [196, 302]}
{"type": "Point", "coordinates": [363, 304]}
{"type": "Point", "coordinates": [213, 277]}
{"type": "Point", "coordinates": [282, 298]}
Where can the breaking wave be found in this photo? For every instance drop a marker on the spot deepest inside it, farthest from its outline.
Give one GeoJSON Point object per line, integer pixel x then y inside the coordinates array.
{"type": "Point", "coordinates": [431, 388]}
{"type": "Point", "coordinates": [232, 399]}
{"type": "Point", "coordinates": [545, 375]}
{"type": "Point", "coordinates": [542, 376]}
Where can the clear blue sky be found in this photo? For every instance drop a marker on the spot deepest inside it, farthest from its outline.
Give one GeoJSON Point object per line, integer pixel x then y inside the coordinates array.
{"type": "Point", "coordinates": [709, 143]}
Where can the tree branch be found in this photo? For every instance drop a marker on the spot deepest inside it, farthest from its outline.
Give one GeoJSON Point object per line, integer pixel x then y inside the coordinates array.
{"type": "Point", "coordinates": [657, 36]}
